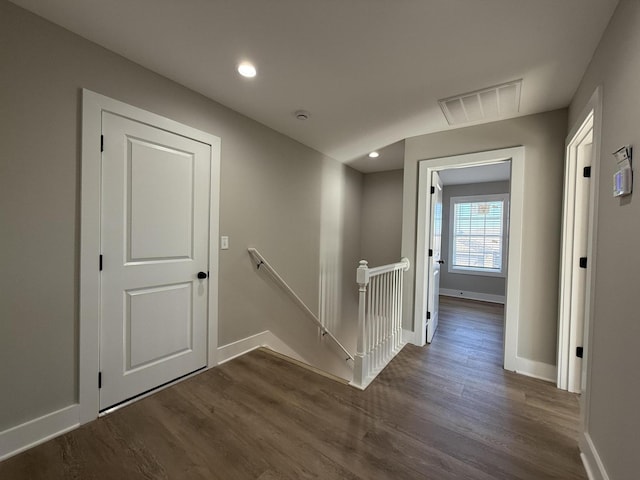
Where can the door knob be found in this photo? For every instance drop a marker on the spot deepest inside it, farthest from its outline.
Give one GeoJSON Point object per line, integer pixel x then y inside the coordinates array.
{"type": "Point", "coordinates": [202, 275]}
{"type": "Point", "coordinates": [440, 262]}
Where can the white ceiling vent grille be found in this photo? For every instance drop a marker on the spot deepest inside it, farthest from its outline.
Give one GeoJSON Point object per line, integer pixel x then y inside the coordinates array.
{"type": "Point", "coordinates": [487, 104]}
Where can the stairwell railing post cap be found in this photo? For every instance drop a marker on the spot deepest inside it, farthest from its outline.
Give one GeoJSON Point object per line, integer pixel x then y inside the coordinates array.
{"type": "Point", "coordinates": [362, 273]}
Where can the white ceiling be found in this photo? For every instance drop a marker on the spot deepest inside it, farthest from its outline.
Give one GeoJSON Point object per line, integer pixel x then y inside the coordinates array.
{"type": "Point", "coordinates": [369, 71]}
{"type": "Point", "coordinates": [391, 158]}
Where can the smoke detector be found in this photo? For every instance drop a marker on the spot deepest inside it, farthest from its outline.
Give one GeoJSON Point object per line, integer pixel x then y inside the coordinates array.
{"type": "Point", "coordinates": [302, 115]}
{"type": "Point", "coordinates": [487, 104]}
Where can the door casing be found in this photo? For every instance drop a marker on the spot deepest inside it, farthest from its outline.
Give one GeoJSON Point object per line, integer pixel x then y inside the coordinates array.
{"type": "Point", "coordinates": [593, 110]}
{"type": "Point", "coordinates": [512, 305]}
{"type": "Point", "coordinates": [93, 104]}
{"type": "Point", "coordinates": [574, 284]}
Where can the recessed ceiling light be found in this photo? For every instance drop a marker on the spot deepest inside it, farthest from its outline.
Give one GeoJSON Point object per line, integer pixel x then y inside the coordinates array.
{"type": "Point", "coordinates": [247, 70]}
{"type": "Point", "coordinates": [302, 115]}
{"type": "Point", "coordinates": [374, 155]}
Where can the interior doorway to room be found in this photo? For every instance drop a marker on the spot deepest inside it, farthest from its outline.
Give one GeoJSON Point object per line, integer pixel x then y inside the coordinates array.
{"type": "Point", "coordinates": [579, 191]}
{"type": "Point", "coordinates": [479, 226]}
{"type": "Point", "coordinates": [469, 243]}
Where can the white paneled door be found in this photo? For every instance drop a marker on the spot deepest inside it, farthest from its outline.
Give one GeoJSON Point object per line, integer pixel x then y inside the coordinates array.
{"type": "Point", "coordinates": [435, 257]}
{"type": "Point", "coordinates": [155, 257]}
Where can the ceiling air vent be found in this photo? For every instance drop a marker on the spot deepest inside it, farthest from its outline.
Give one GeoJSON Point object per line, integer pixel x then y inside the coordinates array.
{"type": "Point", "coordinates": [487, 104]}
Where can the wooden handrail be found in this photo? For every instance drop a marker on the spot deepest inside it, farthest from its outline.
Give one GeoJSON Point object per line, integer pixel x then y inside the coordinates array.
{"type": "Point", "coordinates": [403, 264]}
{"type": "Point", "coordinates": [262, 262]}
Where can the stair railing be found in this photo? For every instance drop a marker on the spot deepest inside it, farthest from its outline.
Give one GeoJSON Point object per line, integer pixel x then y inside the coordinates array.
{"type": "Point", "coordinates": [262, 264]}
{"type": "Point", "coordinates": [379, 319]}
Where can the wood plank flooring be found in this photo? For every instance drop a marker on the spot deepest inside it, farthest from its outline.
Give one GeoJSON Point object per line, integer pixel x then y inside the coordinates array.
{"type": "Point", "coordinates": [447, 411]}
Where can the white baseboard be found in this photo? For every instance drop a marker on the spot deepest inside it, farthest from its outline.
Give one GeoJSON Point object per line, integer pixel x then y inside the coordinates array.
{"type": "Point", "coordinates": [591, 459]}
{"type": "Point", "coordinates": [240, 347]}
{"type": "Point", "coordinates": [483, 297]}
{"type": "Point", "coordinates": [263, 339]}
{"type": "Point", "coordinates": [540, 370]}
{"type": "Point", "coordinates": [34, 432]}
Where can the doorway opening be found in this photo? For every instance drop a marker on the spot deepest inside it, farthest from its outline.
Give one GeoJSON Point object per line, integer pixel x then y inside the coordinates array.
{"type": "Point", "coordinates": [491, 261]}
{"type": "Point", "coordinates": [468, 248]}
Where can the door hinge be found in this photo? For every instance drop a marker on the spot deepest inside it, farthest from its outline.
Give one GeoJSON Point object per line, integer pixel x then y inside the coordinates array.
{"type": "Point", "coordinates": [579, 352]}
{"type": "Point", "coordinates": [433, 189]}
{"type": "Point", "coordinates": [99, 379]}
{"type": "Point", "coordinates": [102, 143]}
{"type": "Point", "coordinates": [100, 262]}
{"type": "Point", "coordinates": [586, 172]}
{"type": "Point", "coordinates": [430, 252]}
{"type": "Point", "coordinates": [428, 315]}
{"type": "Point", "coordinates": [583, 262]}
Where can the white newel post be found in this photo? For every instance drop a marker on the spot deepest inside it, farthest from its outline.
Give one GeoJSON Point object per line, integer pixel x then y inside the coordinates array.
{"type": "Point", "coordinates": [360, 367]}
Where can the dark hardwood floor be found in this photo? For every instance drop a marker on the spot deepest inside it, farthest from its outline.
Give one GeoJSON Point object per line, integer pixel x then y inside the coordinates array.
{"type": "Point", "coordinates": [447, 411]}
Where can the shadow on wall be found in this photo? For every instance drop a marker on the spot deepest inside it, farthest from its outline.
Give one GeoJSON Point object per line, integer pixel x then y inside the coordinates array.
{"type": "Point", "coordinates": [340, 209]}
{"type": "Point", "coordinates": [339, 190]}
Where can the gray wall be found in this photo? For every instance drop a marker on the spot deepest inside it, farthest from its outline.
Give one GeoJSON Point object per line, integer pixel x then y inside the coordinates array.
{"type": "Point", "coordinates": [613, 386]}
{"type": "Point", "coordinates": [456, 281]}
{"type": "Point", "coordinates": [300, 208]}
{"type": "Point", "coordinates": [382, 217]}
{"type": "Point", "coordinates": [543, 137]}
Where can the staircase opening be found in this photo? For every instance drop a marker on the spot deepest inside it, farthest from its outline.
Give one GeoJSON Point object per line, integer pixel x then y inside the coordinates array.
{"type": "Point", "coordinates": [379, 332]}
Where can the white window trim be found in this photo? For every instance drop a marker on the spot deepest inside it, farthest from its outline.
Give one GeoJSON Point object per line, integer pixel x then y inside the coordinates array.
{"type": "Point", "coordinates": [504, 197]}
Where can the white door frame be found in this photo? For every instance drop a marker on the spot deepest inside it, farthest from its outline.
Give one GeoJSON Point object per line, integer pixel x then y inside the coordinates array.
{"type": "Point", "coordinates": [572, 212]}
{"type": "Point", "coordinates": [512, 304]}
{"type": "Point", "coordinates": [430, 269]}
{"type": "Point", "coordinates": [93, 105]}
{"type": "Point", "coordinates": [593, 111]}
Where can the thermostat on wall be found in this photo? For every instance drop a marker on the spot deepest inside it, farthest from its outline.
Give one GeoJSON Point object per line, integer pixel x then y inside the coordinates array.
{"type": "Point", "coordinates": [623, 178]}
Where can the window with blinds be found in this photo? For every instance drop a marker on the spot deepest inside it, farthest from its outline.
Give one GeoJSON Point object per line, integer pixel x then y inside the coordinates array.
{"type": "Point", "coordinates": [477, 234]}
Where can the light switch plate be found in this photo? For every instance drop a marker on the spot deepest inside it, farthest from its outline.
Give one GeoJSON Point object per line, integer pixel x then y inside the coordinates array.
{"type": "Point", "coordinates": [224, 243]}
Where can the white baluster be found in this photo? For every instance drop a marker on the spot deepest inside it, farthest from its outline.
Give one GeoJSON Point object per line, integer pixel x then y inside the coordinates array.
{"type": "Point", "coordinates": [379, 318]}
{"type": "Point", "coordinates": [398, 303]}
{"type": "Point", "coordinates": [370, 320]}
{"type": "Point", "coordinates": [378, 301]}
{"type": "Point", "coordinates": [383, 300]}
{"type": "Point", "coordinates": [392, 307]}
{"type": "Point", "coordinates": [374, 314]}
{"type": "Point", "coordinates": [398, 323]}
{"type": "Point", "coordinates": [371, 323]}
{"type": "Point", "coordinates": [392, 313]}
{"type": "Point", "coordinates": [400, 298]}
{"type": "Point", "coordinates": [387, 315]}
